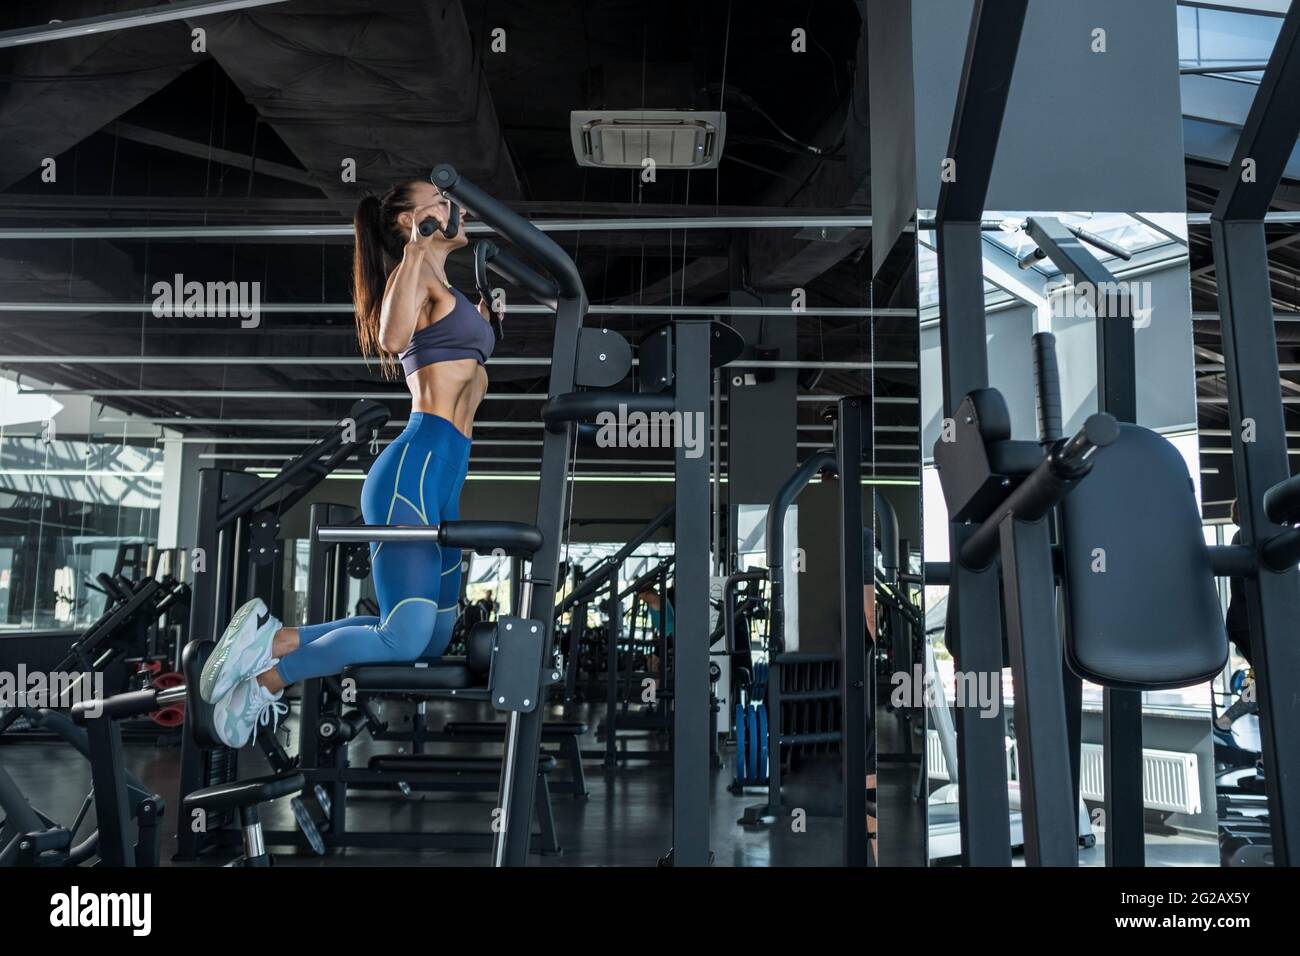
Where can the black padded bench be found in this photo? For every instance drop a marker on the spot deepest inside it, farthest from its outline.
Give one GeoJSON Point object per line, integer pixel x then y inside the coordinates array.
{"type": "Point", "coordinates": [448, 678]}
{"type": "Point", "coordinates": [566, 733]}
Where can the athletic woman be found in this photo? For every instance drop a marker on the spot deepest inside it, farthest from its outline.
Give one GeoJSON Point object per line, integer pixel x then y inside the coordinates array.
{"type": "Point", "coordinates": [406, 311]}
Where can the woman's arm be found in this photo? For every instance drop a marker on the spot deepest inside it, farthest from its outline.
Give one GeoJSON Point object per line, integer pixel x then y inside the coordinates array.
{"type": "Point", "coordinates": [409, 288]}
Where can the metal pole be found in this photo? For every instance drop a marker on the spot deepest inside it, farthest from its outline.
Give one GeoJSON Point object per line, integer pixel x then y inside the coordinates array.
{"type": "Point", "coordinates": [1250, 351]}
{"type": "Point", "coordinates": [346, 308]}
{"type": "Point", "coordinates": [691, 771]}
{"type": "Point", "coordinates": [1116, 394]}
{"type": "Point", "coordinates": [974, 632]}
{"type": "Point", "coordinates": [857, 723]}
{"type": "Point", "coordinates": [123, 20]}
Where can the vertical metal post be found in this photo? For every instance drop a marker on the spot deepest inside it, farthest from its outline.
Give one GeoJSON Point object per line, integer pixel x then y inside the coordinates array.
{"type": "Point", "coordinates": [613, 637]}
{"type": "Point", "coordinates": [853, 634]}
{"type": "Point", "coordinates": [573, 659]}
{"type": "Point", "coordinates": [661, 637]}
{"type": "Point", "coordinates": [1047, 805]}
{"type": "Point", "coordinates": [691, 771]}
{"type": "Point", "coordinates": [206, 588]}
{"type": "Point", "coordinates": [1250, 359]}
{"type": "Point", "coordinates": [974, 615]}
{"type": "Point", "coordinates": [1116, 394]}
{"type": "Point", "coordinates": [108, 777]}
{"type": "Point", "coordinates": [552, 517]}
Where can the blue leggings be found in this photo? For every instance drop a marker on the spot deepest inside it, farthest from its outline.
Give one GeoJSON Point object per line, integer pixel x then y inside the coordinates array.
{"type": "Point", "coordinates": [416, 480]}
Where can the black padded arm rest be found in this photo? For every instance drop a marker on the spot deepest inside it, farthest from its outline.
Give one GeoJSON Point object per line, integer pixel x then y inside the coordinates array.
{"type": "Point", "coordinates": [585, 406]}
{"type": "Point", "coordinates": [513, 537]}
{"type": "Point", "coordinates": [1282, 501]}
{"type": "Point", "coordinates": [992, 413]}
{"type": "Point", "coordinates": [131, 704]}
{"type": "Point", "coordinates": [1015, 459]}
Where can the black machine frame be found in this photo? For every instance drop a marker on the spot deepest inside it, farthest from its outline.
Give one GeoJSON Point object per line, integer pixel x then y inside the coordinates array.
{"type": "Point", "coordinates": [1250, 346]}
{"type": "Point", "coordinates": [1273, 590]}
{"type": "Point", "coordinates": [856, 690]}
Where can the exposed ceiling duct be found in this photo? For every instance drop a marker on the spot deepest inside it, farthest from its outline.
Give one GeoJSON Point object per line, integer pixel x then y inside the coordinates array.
{"type": "Point", "coordinates": [63, 92]}
{"type": "Point", "coordinates": [396, 88]}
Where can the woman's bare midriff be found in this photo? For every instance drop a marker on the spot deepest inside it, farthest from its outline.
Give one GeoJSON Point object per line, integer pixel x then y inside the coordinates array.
{"type": "Point", "coordinates": [450, 390]}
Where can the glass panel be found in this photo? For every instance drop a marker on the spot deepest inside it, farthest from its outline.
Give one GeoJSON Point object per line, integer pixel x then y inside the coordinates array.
{"type": "Point", "coordinates": [66, 508]}
{"type": "Point", "coordinates": [1206, 37]}
{"type": "Point", "coordinates": [1119, 229]}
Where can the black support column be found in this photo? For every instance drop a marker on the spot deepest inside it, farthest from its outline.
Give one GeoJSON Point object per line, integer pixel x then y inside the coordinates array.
{"type": "Point", "coordinates": [1254, 394]}
{"type": "Point", "coordinates": [854, 417]}
{"type": "Point", "coordinates": [692, 772]}
{"type": "Point", "coordinates": [974, 612]}
{"type": "Point", "coordinates": [511, 843]}
{"type": "Point", "coordinates": [1116, 394]}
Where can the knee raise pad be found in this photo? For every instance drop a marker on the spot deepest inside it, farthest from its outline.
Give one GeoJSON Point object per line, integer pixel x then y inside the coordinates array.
{"type": "Point", "coordinates": [408, 628]}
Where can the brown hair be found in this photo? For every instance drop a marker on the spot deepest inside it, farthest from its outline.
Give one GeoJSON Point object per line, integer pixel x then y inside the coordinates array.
{"type": "Point", "coordinates": [379, 243]}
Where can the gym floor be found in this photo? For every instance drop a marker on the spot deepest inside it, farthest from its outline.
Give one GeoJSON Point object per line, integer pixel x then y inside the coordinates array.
{"type": "Point", "coordinates": [626, 820]}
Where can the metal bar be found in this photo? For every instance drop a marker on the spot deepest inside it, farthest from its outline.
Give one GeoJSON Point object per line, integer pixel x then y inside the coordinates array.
{"type": "Point", "coordinates": [1229, 68]}
{"type": "Point", "coordinates": [347, 308]}
{"type": "Point", "coordinates": [345, 233]}
{"type": "Point", "coordinates": [1273, 600]}
{"type": "Point", "coordinates": [1122, 788]}
{"type": "Point", "coordinates": [613, 636]}
{"type": "Point", "coordinates": [1116, 394]}
{"type": "Point", "coordinates": [1283, 316]}
{"type": "Point", "coordinates": [478, 442]}
{"type": "Point", "coordinates": [981, 103]}
{"type": "Point", "coordinates": [552, 516]}
{"type": "Point", "coordinates": [123, 20]}
{"type": "Point", "coordinates": [393, 423]}
{"type": "Point", "coordinates": [1116, 362]}
{"type": "Point", "coordinates": [858, 723]}
{"type": "Point", "coordinates": [348, 395]}
{"type": "Point", "coordinates": [540, 361]}
{"type": "Point", "coordinates": [1203, 219]}
{"type": "Point", "coordinates": [596, 579]}
{"type": "Point", "coordinates": [1047, 804]}
{"type": "Point", "coordinates": [108, 777]}
{"type": "Point", "coordinates": [1269, 134]}
{"type": "Point", "coordinates": [974, 609]}
{"type": "Point", "coordinates": [369, 533]}
{"type": "Point", "coordinates": [774, 536]}
{"type": "Point", "coordinates": [691, 771]}
{"type": "Point", "coordinates": [206, 151]}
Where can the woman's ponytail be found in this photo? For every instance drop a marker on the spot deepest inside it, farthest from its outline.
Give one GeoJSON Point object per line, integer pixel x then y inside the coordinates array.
{"type": "Point", "coordinates": [379, 245]}
{"type": "Point", "coordinates": [369, 277]}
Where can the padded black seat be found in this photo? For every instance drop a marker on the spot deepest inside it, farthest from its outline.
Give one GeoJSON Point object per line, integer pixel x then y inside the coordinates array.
{"type": "Point", "coordinates": [552, 730]}
{"type": "Point", "coordinates": [1152, 618]}
{"type": "Point", "coordinates": [245, 793]}
{"type": "Point", "coordinates": [436, 763]}
{"type": "Point", "coordinates": [441, 675]}
{"type": "Point", "coordinates": [449, 674]}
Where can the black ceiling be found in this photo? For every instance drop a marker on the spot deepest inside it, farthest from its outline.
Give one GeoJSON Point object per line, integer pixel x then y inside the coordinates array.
{"type": "Point", "coordinates": [147, 132]}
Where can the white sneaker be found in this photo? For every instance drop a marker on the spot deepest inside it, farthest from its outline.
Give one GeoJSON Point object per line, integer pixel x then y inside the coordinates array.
{"type": "Point", "coordinates": [237, 715]}
{"type": "Point", "coordinates": [244, 651]}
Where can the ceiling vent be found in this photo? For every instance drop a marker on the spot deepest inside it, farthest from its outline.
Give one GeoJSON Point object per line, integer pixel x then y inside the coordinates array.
{"type": "Point", "coordinates": [622, 139]}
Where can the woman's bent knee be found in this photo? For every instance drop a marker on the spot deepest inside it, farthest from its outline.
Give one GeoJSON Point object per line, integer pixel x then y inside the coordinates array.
{"type": "Point", "coordinates": [408, 628]}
